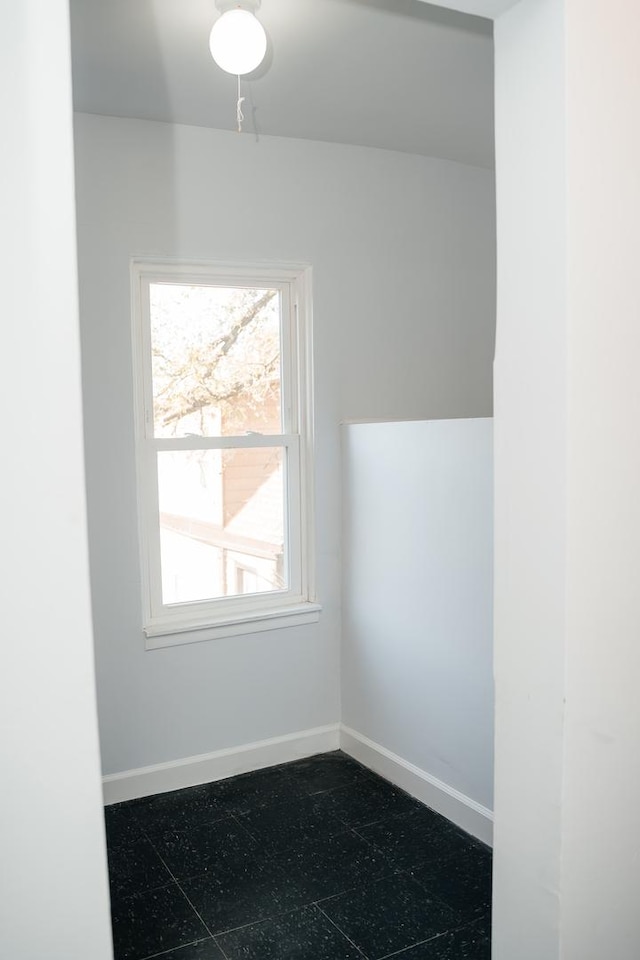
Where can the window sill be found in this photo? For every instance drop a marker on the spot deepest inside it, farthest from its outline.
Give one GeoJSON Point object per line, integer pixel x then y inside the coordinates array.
{"type": "Point", "coordinates": [177, 632]}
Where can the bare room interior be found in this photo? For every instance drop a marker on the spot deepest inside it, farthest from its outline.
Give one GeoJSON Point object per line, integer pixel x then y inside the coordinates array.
{"type": "Point", "coordinates": [320, 525]}
{"type": "Point", "coordinates": [365, 195]}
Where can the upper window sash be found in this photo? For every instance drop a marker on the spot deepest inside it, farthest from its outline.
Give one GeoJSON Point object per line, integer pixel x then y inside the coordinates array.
{"type": "Point", "coordinates": [289, 358]}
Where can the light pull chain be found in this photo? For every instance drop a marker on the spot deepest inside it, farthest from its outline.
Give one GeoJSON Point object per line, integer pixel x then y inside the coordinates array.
{"type": "Point", "coordinates": [239, 113]}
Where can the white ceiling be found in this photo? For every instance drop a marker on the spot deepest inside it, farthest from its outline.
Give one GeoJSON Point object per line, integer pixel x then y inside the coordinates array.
{"type": "Point", "coordinates": [396, 74]}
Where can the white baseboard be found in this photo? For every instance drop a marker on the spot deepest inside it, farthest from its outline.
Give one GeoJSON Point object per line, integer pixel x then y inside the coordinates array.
{"type": "Point", "coordinates": [218, 765]}
{"type": "Point", "coordinates": [455, 806]}
{"type": "Point", "coordinates": [205, 768]}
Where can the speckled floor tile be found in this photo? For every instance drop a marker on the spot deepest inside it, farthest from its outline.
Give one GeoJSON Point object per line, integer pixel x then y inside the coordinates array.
{"type": "Point", "coordinates": [326, 772]}
{"type": "Point", "coordinates": [135, 867]}
{"type": "Point", "coordinates": [469, 943]}
{"type": "Point", "coordinates": [417, 838]}
{"type": "Point", "coordinates": [121, 825]}
{"type": "Point", "coordinates": [152, 922]}
{"type": "Point", "coordinates": [389, 915]}
{"type": "Point", "coordinates": [203, 950]}
{"type": "Point", "coordinates": [369, 801]}
{"type": "Point", "coordinates": [462, 882]}
{"type": "Point", "coordinates": [321, 868]}
{"type": "Point", "coordinates": [189, 853]}
{"type": "Point", "coordinates": [303, 935]}
{"type": "Point", "coordinates": [251, 790]}
{"type": "Point", "coordinates": [482, 924]}
{"type": "Point", "coordinates": [308, 817]}
{"type": "Point", "coordinates": [254, 854]}
{"type": "Point", "coordinates": [178, 810]}
{"type": "Point", "coordinates": [234, 897]}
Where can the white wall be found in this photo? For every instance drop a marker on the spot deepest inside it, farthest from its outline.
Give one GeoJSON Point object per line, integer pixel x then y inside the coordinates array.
{"type": "Point", "coordinates": [601, 848]}
{"type": "Point", "coordinates": [530, 483]}
{"type": "Point", "coordinates": [417, 673]}
{"type": "Point", "coordinates": [402, 249]}
{"type": "Point", "coordinates": [567, 408]}
{"type": "Point", "coordinates": [54, 898]}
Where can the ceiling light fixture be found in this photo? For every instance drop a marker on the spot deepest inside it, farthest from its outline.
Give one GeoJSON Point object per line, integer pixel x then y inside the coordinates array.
{"type": "Point", "coordinates": [238, 42]}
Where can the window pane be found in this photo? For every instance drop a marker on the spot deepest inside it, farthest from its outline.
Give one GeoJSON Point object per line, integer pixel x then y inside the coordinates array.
{"type": "Point", "coordinates": [221, 523]}
{"type": "Point", "coordinates": [215, 360]}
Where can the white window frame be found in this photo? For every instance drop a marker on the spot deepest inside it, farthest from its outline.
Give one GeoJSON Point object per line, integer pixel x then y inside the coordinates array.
{"type": "Point", "coordinates": [172, 624]}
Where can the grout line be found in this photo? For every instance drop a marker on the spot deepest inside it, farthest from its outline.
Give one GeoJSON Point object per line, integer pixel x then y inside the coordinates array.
{"type": "Point", "coordinates": [468, 924]}
{"type": "Point", "coordinates": [441, 858]}
{"type": "Point", "coordinates": [418, 943]}
{"type": "Point", "coordinates": [192, 943]}
{"type": "Point", "coordinates": [387, 817]}
{"type": "Point", "coordinates": [177, 883]}
{"type": "Point", "coordinates": [377, 849]}
{"type": "Point", "coordinates": [194, 909]}
{"type": "Point", "coordinates": [255, 923]}
{"type": "Point", "coordinates": [237, 819]}
{"type": "Point", "coordinates": [317, 904]}
{"type": "Point", "coordinates": [464, 926]}
{"type": "Point", "coordinates": [124, 895]}
{"type": "Point", "coordinates": [354, 945]}
{"type": "Point", "coordinates": [194, 826]}
{"type": "Point", "coordinates": [407, 815]}
{"type": "Point", "coordinates": [221, 949]}
{"type": "Point", "coordinates": [341, 893]}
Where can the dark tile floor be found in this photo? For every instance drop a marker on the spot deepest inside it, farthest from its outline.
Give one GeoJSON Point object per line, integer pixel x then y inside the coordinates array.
{"type": "Point", "coordinates": [319, 859]}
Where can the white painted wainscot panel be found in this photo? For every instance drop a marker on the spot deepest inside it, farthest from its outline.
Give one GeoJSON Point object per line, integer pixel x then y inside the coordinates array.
{"type": "Point", "coordinates": [417, 686]}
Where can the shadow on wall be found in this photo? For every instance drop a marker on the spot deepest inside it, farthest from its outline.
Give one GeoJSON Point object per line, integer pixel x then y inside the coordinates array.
{"type": "Point", "coordinates": [440, 16]}
{"type": "Point", "coordinates": [141, 79]}
{"type": "Point", "coordinates": [109, 235]}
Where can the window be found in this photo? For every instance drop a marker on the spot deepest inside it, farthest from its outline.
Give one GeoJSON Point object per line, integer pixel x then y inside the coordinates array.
{"type": "Point", "coordinates": [223, 411]}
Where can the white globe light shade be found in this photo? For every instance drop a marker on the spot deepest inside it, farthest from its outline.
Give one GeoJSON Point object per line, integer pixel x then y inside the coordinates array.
{"type": "Point", "coordinates": [238, 42]}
